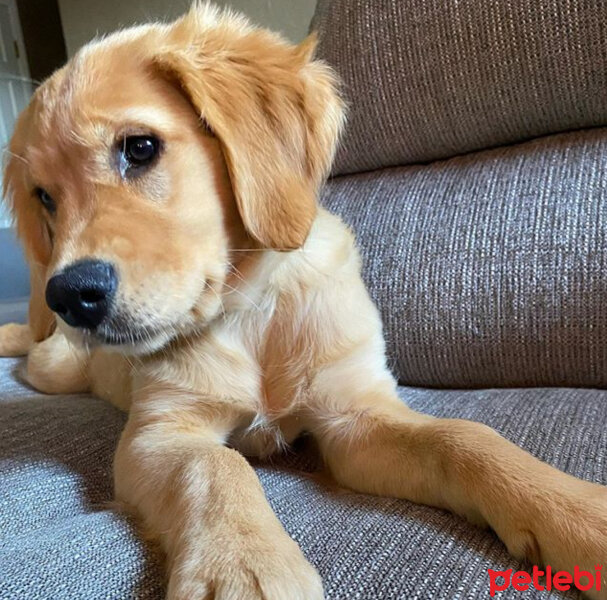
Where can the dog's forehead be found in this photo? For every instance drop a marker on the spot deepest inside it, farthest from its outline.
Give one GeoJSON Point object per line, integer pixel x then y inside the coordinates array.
{"type": "Point", "coordinates": [84, 107]}
{"type": "Point", "coordinates": [90, 87]}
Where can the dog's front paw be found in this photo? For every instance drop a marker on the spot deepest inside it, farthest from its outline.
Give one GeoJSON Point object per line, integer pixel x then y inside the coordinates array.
{"type": "Point", "coordinates": [276, 572]}
{"type": "Point", "coordinates": [15, 340]}
{"type": "Point", "coordinates": [56, 367]}
{"type": "Point", "coordinates": [570, 535]}
{"type": "Point", "coordinates": [583, 546]}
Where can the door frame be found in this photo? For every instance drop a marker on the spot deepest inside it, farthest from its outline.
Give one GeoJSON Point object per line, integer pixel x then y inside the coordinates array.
{"type": "Point", "coordinates": [13, 13]}
{"type": "Point", "coordinates": [15, 25]}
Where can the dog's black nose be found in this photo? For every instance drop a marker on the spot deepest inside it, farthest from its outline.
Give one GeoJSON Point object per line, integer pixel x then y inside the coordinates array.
{"type": "Point", "coordinates": [82, 294]}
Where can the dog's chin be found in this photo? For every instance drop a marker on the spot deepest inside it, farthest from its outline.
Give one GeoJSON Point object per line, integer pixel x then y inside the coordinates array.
{"type": "Point", "coordinates": [135, 343]}
{"type": "Point", "coordinates": [131, 340]}
{"type": "Point", "coordinates": [129, 335]}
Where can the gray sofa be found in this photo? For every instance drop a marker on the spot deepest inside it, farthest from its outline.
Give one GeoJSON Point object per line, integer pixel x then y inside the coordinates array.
{"type": "Point", "coordinates": [474, 171]}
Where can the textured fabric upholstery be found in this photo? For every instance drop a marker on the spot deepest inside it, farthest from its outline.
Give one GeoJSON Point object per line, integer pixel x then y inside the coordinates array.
{"type": "Point", "coordinates": [60, 541]}
{"type": "Point", "coordinates": [58, 538]}
{"type": "Point", "coordinates": [489, 269]}
{"type": "Point", "coordinates": [428, 79]}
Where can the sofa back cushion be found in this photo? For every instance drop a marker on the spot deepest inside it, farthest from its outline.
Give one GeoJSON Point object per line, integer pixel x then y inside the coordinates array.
{"type": "Point", "coordinates": [427, 79]}
{"type": "Point", "coordinates": [489, 269]}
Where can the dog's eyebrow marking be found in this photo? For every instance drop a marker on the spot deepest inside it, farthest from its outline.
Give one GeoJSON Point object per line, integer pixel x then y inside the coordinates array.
{"type": "Point", "coordinates": [140, 117]}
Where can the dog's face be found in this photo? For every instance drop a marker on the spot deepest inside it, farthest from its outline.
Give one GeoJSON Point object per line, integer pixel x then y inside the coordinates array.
{"type": "Point", "coordinates": [134, 203]}
{"type": "Point", "coordinates": [140, 166]}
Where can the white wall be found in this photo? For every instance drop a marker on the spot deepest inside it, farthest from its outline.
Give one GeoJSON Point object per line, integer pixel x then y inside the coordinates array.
{"type": "Point", "coordinates": [83, 19]}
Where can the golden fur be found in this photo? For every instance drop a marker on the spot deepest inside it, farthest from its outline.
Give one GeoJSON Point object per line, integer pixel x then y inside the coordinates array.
{"type": "Point", "coordinates": [256, 323]}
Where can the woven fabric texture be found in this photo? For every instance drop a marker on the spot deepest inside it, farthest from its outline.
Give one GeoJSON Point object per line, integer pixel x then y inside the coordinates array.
{"type": "Point", "coordinates": [427, 79]}
{"type": "Point", "coordinates": [60, 541]}
{"type": "Point", "coordinates": [489, 269]}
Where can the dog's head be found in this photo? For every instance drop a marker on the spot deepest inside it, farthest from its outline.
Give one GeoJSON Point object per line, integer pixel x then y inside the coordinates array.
{"type": "Point", "coordinates": [154, 153]}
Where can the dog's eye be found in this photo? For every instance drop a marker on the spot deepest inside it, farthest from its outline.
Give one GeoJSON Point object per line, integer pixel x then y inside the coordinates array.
{"type": "Point", "coordinates": [46, 200]}
{"type": "Point", "coordinates": [139, 150]}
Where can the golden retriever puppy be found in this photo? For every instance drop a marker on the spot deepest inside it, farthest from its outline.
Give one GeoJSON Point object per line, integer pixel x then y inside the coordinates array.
{"type": "Point", "coordinates": [164, 184]}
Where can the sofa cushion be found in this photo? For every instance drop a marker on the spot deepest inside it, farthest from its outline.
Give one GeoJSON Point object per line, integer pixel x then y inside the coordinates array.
{"type": "Point", "coordinates": [59, 540]}
{"type": "Point", "coordinates": [489, 269]}
{"type": "Point", "coordinates": [427, 80]}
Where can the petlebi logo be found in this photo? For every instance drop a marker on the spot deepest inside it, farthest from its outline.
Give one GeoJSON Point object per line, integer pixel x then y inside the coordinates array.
{"type": "Point", "coordinates": [544, 580]}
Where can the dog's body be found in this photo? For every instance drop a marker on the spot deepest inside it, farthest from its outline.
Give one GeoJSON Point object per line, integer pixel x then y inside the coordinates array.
{"type": "Point", "coordinates": [237, 316]}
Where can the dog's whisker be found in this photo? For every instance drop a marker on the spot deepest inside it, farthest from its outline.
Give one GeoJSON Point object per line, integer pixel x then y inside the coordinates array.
{"type": "Point", "coordinates": [17, 156]}
{"type": "Point", "coordinates": [239, 275]}
{"type": "Point", "coordinates": [223, 310]}
{"type": "Point", "coordinates": [239, 292]}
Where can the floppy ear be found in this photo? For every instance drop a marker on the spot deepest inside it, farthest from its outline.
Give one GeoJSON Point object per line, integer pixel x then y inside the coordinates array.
{"type": "Point", "coordinates": [34, 235]}
{"type": "Point", "coordinates": [40, 318]}
{"type": "Point", "coordinates": [274, 109]}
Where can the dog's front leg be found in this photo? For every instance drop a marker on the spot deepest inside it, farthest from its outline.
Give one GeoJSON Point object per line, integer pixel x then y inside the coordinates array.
{"type": "Point", "coordinates": [206, 506]}
{"type": "Point", "coordinates": [373, 443]}
{"type": "Point", "coordinates": [54, 366]}
{"type": "Point", "coordinates": [15, 339]}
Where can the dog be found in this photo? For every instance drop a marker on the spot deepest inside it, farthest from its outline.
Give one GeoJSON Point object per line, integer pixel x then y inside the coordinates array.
{"type": "Point", "coordinates": [164, 184]}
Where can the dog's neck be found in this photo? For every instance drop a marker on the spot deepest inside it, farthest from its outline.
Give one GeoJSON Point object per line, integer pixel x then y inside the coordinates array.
{"type": "Point", "coordinates": [259, 280]}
